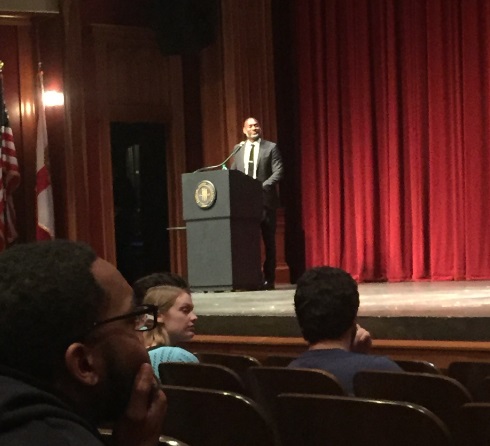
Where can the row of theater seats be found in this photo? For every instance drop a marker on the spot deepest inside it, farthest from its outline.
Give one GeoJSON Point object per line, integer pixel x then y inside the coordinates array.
{"type": "Point", "coordinates": [473, 375]}
{"type": "Point", "coordinates": [235, 400]}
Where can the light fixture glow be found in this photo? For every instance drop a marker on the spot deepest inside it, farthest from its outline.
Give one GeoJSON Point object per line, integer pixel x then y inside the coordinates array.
{"type": "Point", "coordinates": [53, 98]}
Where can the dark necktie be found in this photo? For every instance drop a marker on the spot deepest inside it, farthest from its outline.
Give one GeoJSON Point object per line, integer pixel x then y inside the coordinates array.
{"type": "Point", "coordinates": [251, 163]}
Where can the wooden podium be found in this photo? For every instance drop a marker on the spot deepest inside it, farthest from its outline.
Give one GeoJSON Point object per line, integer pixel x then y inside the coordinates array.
{"type": "Point", "coordinates": [222, 210]}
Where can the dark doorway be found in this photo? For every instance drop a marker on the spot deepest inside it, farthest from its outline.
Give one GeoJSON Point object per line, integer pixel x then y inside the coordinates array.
{"type": "Point", "coordinates": [140, 198]}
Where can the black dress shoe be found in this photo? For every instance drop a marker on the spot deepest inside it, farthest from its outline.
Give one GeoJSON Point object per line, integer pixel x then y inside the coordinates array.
{"type": "Point", "coordinates": [268, 285]}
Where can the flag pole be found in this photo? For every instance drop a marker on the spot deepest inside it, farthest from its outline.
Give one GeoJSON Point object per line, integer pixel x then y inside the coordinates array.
{"type": "Point", "coordinates": [44, 193]}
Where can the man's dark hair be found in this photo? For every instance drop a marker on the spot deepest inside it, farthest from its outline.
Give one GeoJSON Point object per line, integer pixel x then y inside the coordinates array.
{"type": "Point", "coordinates": [326, 303]}
{"type": "Point", "coordinates": [48, 299]}
{"type": "Point", "coordinates": [141, 286]}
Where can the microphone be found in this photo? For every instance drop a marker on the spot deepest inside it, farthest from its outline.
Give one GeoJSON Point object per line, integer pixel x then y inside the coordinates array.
{"type": "Point", "coordinates": [237, 148]}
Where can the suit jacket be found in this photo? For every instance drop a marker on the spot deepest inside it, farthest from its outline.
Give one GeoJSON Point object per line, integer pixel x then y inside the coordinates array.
{"type": "Point", "coordinates": [269, 170]}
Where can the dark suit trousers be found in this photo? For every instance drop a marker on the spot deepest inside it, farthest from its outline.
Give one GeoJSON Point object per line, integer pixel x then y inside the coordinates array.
{"type": "Point", "coordinates": [268, 227]}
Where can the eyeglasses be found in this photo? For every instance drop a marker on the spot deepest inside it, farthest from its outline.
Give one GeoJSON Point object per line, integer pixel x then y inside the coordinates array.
{"type": "Point", "coordinates": [144, 316]}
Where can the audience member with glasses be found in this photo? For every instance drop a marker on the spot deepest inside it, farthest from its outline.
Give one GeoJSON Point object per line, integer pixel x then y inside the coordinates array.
{"type": "Point", "coordinates": [176, 318]}
{"type": "Point", "coordinates": [72, 356]}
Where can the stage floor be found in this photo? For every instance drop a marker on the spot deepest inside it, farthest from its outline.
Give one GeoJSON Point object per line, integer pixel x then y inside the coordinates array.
{"type": "Point", "coordinates": [406, 310]}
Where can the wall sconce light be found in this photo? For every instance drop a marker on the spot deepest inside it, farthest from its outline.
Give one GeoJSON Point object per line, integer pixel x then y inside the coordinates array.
{"type": "Point", "coordinates": [53, 98]}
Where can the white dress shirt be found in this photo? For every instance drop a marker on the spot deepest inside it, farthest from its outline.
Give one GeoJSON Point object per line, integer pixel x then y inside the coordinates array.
{"type": "Point", "coordinates": [246, 155]}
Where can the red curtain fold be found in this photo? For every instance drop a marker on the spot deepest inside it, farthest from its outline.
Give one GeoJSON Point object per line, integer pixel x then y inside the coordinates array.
{"type": "Point", "coordinates": [395, 122]}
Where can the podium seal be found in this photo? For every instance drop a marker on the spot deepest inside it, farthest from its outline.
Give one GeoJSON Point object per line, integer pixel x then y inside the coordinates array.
{"type": "Point", "coordinates": [205, 195]}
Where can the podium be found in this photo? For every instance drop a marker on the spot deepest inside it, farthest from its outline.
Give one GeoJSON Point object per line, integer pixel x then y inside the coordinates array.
{"type": "Point", "coordinates": [222, 210]}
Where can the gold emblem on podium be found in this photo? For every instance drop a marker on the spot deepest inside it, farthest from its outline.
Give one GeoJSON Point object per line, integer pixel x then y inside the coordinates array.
{"type": "Point", "coordinates": [205, 194]}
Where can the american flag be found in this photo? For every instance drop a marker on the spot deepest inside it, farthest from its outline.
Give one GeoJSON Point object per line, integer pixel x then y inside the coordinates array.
{"type": "Point", "coordinates": [9, 176]}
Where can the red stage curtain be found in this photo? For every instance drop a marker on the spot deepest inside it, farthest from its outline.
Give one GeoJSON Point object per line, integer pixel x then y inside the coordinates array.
{"type": "Point", "coordinates": [395, 136]}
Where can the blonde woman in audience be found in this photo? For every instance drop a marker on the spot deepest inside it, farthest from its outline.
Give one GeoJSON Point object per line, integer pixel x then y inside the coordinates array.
{"type": "Point", "coordinates": [175, 324]}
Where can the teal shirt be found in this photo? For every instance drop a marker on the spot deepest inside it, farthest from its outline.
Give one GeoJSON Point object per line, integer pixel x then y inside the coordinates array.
{"type": "Point", "coordinates": [169, 354]}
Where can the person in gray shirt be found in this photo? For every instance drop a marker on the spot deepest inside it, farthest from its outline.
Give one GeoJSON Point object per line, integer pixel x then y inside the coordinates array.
{"type": "Point", "coordinates": [326, 302]}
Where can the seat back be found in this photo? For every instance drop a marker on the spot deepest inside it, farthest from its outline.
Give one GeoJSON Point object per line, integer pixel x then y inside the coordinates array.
{"type": "Point", "coordinates": [106, 435]}
{"type": "Point", "coordinates": [471, 375]}
{"type": "Point", "coordinates": [238, 363]}
{"type": "Point", "coordinates": [414, 366]}
{"type": "Point", "coordinates": [278, 360]}
{"type": "Point", "coordinates": [473, 425]}
{"type": "Point", "coordinates": [341, 421]}
{"type": "Point", "coordinates": [266, 383]}
{"type": "Point", "coordinates": [440, 394]}
{"type": "Point", "coordinates": [211, 418]}
{"type": "Point", "coordinates": [484, 390]}
{"type": "Point", "coordinates": [206, 376]}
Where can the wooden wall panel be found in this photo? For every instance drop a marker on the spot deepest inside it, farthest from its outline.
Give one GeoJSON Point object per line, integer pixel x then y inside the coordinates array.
{"type": "Point", "coordinates": [27, 149]}
{"type": "Point", "coordinates": [117, 12]}
{"type": "Point", "coordinates": [133, 82]}
{"type": "Point", "coordinates": [77, 184]}
{"type": "Point", "coordinates": [59, 46]}
{"type": "Point", "coordinates": [440, 353]}
{"type": "Point", "coordinates": [237, 77]}
{"type": "Point", "coordinates": [48, 44]}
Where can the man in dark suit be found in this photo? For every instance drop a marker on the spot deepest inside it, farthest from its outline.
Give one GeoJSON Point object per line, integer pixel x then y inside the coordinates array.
{"type": "Point", "coordinates": [261, 160]}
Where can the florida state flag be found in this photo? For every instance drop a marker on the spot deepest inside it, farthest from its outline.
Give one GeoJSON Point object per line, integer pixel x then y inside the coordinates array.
{"type": "Point", "coordinates": [44, 191]}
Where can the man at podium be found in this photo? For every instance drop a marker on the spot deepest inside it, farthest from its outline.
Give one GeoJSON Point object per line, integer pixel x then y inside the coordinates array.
{"type": "Point", "coordinates": [261, 160]}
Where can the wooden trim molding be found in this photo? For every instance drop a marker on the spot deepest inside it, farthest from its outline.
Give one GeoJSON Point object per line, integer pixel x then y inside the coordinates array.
{"type": "Point", "coordinates": [31, 6]}
{"type": "Point", "coordinates": [77, 181]}
{"type": "Point", "coordinates": [441, 353]}
{"type": "Point", "coordinates": [12, 20]}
